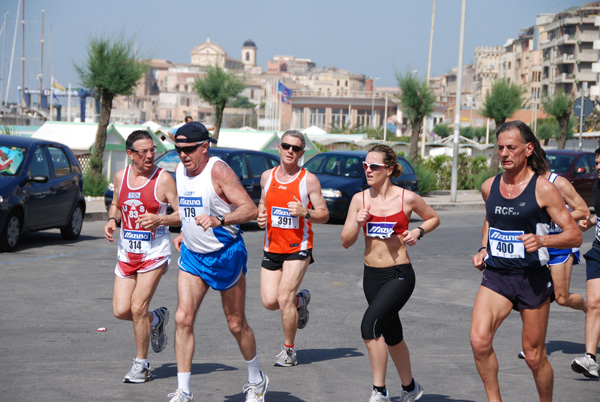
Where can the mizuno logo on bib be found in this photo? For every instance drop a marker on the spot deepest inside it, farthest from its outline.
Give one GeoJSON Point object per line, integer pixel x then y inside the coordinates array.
{"type": "Point", "coordinates": [382, 230]}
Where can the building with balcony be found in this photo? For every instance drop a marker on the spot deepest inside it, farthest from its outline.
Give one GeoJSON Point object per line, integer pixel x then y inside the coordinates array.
{"type": "Point", "coordinates": [568, 50]}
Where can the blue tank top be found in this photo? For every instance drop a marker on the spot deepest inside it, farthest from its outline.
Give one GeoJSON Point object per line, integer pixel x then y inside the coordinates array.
{"type": "Point", "coordinates": [510, 218]}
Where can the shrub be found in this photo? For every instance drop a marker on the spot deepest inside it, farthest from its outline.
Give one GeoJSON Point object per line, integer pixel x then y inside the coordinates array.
{"type": "Point", "coordinates": [94, 184]}
{"type": "Point", "coordinates": [427, 179]}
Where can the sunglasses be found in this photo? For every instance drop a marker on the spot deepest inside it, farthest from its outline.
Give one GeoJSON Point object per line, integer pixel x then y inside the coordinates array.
{"type": "Point", "coordinates": [374, 166]}
{"type": "Point", "coordinates": [189, 149]}
{"type": "Point", "coordinates": [295, 148]}
{"type": "Point", "coordinates": [144, 152]}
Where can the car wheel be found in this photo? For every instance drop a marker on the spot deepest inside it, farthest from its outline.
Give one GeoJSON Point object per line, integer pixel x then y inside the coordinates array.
{"type": "Point", "coordinates": [73, 228]}
{"type": "Point", "coordinates": [11, 232]}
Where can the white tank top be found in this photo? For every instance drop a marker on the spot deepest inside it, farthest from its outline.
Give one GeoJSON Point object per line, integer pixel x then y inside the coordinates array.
{"type": "Point", "coordinates": [197, 196]}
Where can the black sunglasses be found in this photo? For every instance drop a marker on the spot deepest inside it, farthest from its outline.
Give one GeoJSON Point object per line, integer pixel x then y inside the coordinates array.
{"type": "Point", "coordinates": [295, 148]}
{"type": "Point", "coordinates": [189, 149]}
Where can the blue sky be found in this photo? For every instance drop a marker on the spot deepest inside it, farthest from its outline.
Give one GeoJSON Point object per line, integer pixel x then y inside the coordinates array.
{"type": "Point", "coordinates": [375, 38]}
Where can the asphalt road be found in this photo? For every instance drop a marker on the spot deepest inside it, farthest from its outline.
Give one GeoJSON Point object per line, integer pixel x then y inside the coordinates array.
{"type": "Point", "coordinates": [55, 294]}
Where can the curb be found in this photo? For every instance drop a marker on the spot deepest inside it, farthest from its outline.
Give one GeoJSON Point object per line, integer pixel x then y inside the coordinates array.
{"type": "Point", "coordinates": [451, 206]}
{"type": "Point", "coordinates": [95, 216]}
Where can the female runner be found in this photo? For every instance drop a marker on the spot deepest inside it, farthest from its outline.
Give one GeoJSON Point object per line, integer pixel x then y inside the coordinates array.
{"type": "Point", "coordinates": [383, 212]}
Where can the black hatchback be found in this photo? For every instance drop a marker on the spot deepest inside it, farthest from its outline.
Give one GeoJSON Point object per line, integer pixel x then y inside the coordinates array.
{"type": "Point", "coordinates": [41, 187]}
{"type": "Point", "coordinates": [342, 175]}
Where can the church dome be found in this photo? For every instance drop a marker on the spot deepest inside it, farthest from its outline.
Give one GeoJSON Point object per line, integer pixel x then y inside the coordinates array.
{"type": "Point", "coordinates": [249, 43]}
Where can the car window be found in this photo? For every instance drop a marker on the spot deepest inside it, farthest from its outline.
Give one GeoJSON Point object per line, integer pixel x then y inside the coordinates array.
{"type": "Point", "coordinates": [11, 159]}
{"type": "Point", "coordinates": [591, 162]}
{"type": "Point", "coordinates": [315, 165]}
{"type": "Point", "coordinates": [582, 165]}
{"type": "Point", "coordinates": [352, 167]}
{"type": "Point", "coordinates": [258, 164]}
{"type": "Point", "coordinates": [406, 167]}
{"type": "Point", "coordinates": [39, 164]}
{"type": "Point", "coordinates": [168, 161]}
{"type": "Point", "coordinates": [558, 163]}
{"type": "Point", "coordinates": [238, 164]}
{"type": "Point", "coordinates": [60, 161]}
{"type": "Point", "coordinates": [271, 163]}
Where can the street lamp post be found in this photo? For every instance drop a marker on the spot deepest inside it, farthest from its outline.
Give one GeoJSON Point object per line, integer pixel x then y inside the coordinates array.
{"type": "Point", "coordinates": [373, 103]}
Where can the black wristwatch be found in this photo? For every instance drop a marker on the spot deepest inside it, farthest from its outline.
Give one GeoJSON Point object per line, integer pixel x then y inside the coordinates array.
{"type": "Point", "coordinates": [421, 232]}
{"type": "Point", "coordinates": [221, 219]}
{"type": "Point", "coordinates": [307, 214]}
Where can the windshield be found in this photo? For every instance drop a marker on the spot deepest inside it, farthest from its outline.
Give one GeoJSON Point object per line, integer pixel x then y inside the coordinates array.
{"type": "Point", "coordinates": [559, 163]}
{"type": "Point", "coordinates": [336, 165]}
{"type": "Point", "coordinates": [11, 159]}
{"type": "Point", "coordinates": [169, 160]}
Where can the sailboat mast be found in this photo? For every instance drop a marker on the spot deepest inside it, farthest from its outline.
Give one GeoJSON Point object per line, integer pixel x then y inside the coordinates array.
{"type": "Point", "coordinates": [42, 62]}
{"type": "Point", "coordinates": [23, 59]}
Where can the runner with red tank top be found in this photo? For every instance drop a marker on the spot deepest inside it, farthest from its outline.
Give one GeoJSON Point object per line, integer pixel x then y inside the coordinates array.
{"type": "Point", "coordinates": [141, 250]}
{"type": "Point", "coordinates": [141, 194]}
{"type": "Point", "coordinates": [291, 201]}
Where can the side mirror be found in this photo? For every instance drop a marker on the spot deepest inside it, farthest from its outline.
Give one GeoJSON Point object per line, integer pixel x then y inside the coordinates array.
{"type": "Point", "coordinates": [580, 170]}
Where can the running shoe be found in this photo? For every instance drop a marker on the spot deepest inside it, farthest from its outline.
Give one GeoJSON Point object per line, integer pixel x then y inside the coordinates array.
{"type": "Point", "coordinates": [158, 337]}
{"type": "Point", "coordinates": [585, 365]}
{"type": "Point", "coordinates": [521, 355]}
{"type": "Point", "coordinates": [286, 358]}
{"type": "Point", "coordinates": [412, 395]}
{"type": "Point", "coordinates": [180, 396]}
{"type": "Point", "coordinates": [303, 313]}
{"type": "Point", "coordinates": [256, 392]}
{"type": "Point", "coordinates": [139, 373]}
{"type": "Point", "coordinates": [379, 397]}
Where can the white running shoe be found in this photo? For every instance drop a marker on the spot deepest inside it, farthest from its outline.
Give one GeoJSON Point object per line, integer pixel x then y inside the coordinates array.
{"type": "Point", "coordinates": [139, 373]}
{"type": "Point", "coordinates": [256, 392]}
{"type": "Point", "coordinates": [412, 395]}
{"type": "Point", "coordinates": [158, 337]}
{"type": "Point", "coordinates": [303, 313]}
{"type": "Point", "coordinates": [286, 358]}
{"type": "Point", "coordinates": [585, 365]}
{"type": "Point", "coordinates": [379, 397]}
{"type": "Point", "coordinates": [180, 396]}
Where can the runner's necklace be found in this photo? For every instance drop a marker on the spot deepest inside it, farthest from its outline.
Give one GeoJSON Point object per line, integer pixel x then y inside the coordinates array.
{"type": "Point", "coordinates": [518, 185]}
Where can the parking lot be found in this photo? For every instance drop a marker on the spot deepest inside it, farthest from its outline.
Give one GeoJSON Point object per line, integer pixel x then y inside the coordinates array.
{"type": "Point", "coordinates": [55, 294]}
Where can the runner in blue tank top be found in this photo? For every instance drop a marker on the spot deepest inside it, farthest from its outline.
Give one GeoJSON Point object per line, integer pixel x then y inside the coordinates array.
{"type": "Point", "coordinates": [520, 204]}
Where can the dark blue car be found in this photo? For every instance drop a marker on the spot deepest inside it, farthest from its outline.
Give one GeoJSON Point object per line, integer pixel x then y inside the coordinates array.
{"type": "Point", "coordinates": [247, 164]}
{"type": "Point", "coordinates": [342, 175]}
{"type": "Point", "coordinates": [41, 187]}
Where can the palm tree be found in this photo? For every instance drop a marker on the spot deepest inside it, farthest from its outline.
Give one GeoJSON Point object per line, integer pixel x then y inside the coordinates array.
{"type": "Point", "coordinates": [217, 88]}
{"type": "Point", "coordinates": [502, 102]}
{"type": "Point", "coordinates": [111, 69]}
{"type": "Point", "coordinates": [416, 101]}
{"type": "Point", "coordinates": [560, 106]}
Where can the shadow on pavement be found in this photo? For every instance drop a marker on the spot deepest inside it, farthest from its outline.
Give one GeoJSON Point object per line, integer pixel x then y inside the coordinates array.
{"type": "Point", "coordinates": [270, 395]}
{"type": "Point", "coordinates": [168, 370]}
{"type": "Point", "coordinates": [434, 397]}
{"type": "Point", "coordinates": [568, 348]}
{"type": "Point", "coordinates": [308, 356]}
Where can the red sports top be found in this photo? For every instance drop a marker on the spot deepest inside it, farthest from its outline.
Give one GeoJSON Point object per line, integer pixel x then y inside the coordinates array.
{"type": "Point", "coordinates": [385, 226]}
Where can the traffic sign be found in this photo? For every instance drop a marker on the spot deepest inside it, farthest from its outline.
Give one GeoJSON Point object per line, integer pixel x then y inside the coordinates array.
{"type": "Point", "coordinates": [588, 106]}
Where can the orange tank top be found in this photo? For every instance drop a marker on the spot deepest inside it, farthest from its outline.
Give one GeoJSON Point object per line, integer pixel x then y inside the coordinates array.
{"type": "Point", "coordinates": [284, 233]}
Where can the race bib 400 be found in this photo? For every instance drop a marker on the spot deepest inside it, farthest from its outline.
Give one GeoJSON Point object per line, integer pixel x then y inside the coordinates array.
{"type": "Point", "coordinates": [504, 243]}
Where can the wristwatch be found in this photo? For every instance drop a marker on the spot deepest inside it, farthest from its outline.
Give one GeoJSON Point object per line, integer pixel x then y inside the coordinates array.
{"type": "Point", "coordinates": [221, 219]}
{"type": "Point", "coordinates": [307, 214]}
